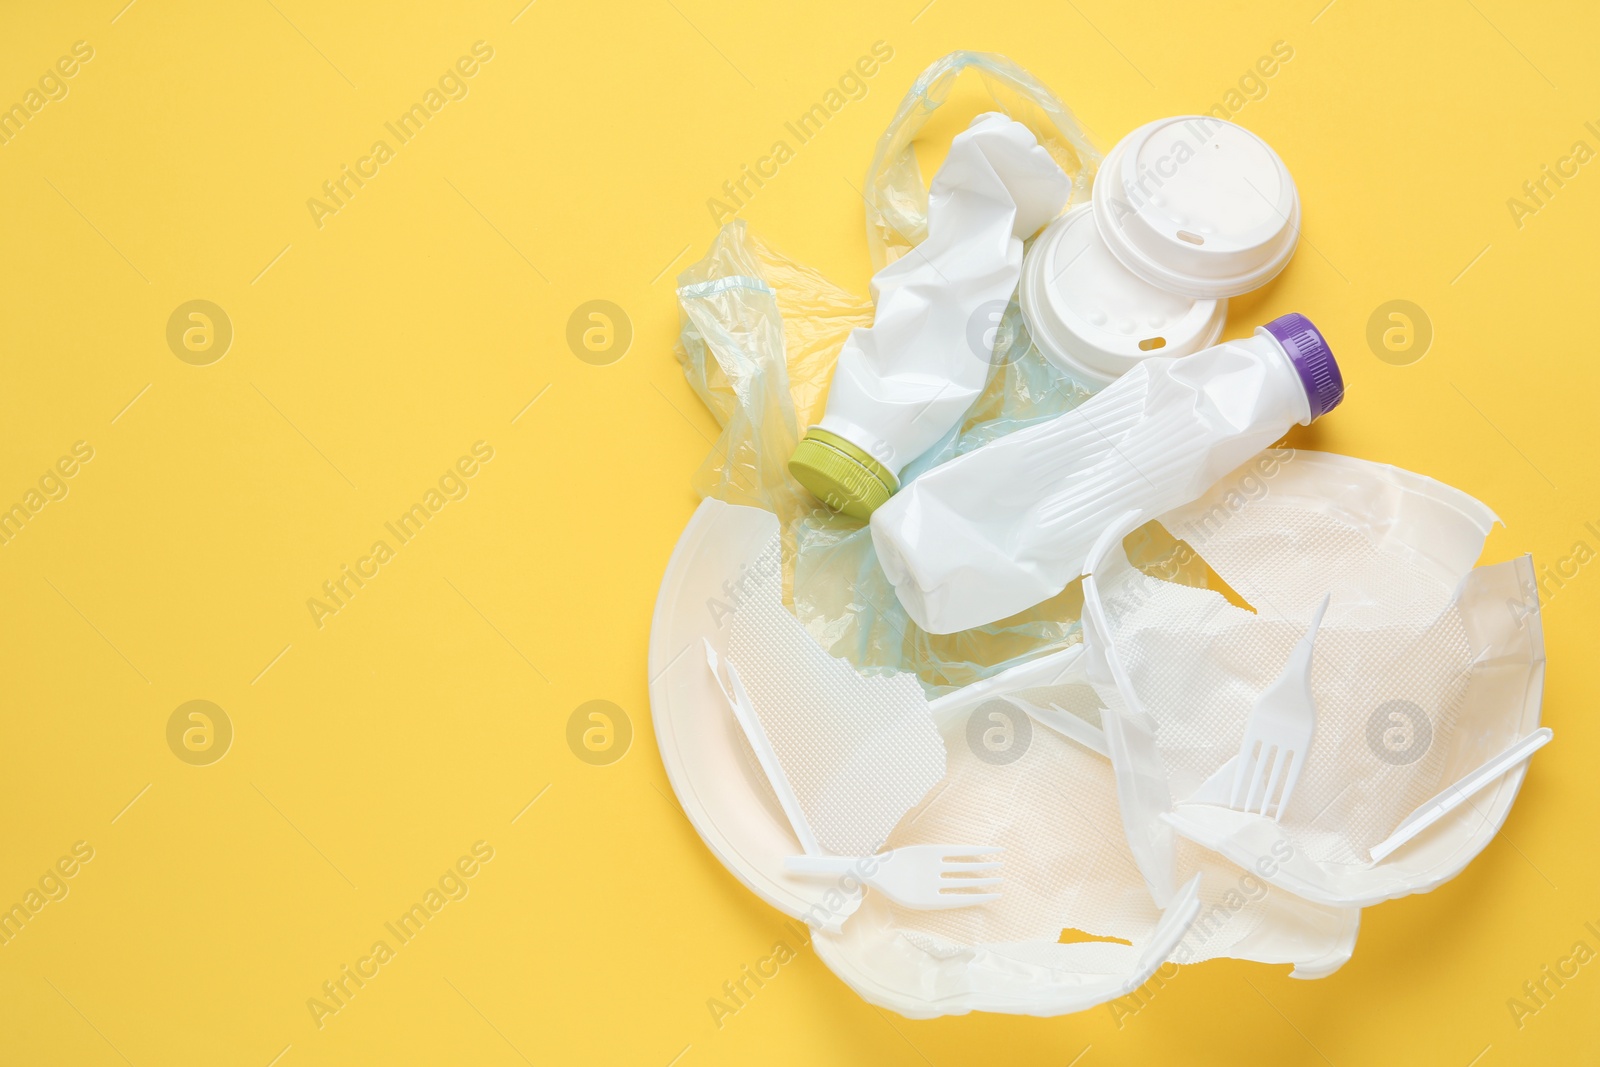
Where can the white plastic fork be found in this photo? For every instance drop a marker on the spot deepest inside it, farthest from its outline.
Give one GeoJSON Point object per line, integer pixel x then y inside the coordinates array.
{"type": "Point", "coordinates": [1279, 733]}
{"type": "Point", "coordinates": [928, 877]}
{"type": "Point", "coordinates": [916, 876]}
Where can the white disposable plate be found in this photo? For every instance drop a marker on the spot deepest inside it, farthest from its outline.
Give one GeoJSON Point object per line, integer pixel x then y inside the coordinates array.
{"type": "Point", "coordinates": [737, 816]}
{"type": "Point", "coordinates": [726, 800]}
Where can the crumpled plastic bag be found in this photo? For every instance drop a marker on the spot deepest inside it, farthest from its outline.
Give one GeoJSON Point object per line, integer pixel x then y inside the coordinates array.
{"type": "Point", "coordinates": [897, 196]}
{"type": "Point", "coordinates": [758, 340]}
{"type": "Point", "coordinates": [760, 335]}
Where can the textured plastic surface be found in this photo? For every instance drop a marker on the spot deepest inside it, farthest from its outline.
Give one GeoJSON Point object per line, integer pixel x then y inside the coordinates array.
{"type": "Point", "coordinates": [1051, 797]}
{"type": "Point", "coordinates": [709, 763]}
{"type": "Point", "coordinates": [1172, 895]}
{"type": "Point", "coordinates": [1425, 668]}
{"type": "Point", "coordinates": [1278, 733]}
{"type": "Point", "coordinates": [857, 751]}
{"type": "Point", "coordinates": [1001, 956]}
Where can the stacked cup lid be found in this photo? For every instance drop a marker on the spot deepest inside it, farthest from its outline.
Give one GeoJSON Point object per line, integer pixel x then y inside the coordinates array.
{"type": "Point", "coordinates": [1187, 212]}
{"type": "Point", "coordinates": [1091, 315]}
{"type": "Point", "coordinates": [1198, 206]}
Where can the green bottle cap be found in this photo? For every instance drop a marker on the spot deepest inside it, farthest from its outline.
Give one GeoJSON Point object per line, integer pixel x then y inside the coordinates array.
{"type": "Point", "coordinates": [841, 475]}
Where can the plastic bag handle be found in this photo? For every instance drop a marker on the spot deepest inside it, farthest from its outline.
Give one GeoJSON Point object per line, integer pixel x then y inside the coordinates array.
{"type": "Point", "coordinates": [897, 199]}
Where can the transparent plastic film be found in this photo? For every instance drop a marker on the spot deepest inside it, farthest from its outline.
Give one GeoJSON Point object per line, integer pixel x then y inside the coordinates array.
{"type": "Point", "coordinates": [896, 195]}
{"type": "Point", "coordinates": [759, 335]}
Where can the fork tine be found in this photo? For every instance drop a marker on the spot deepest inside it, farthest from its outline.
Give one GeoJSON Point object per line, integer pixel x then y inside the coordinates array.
{"type": "Point", "coordinates": [1270, 771]}
{"type": "Point", "coordinates": [952, 851]}
{"type": "Point", "coordinates": [1248, 754]}
{"type": "Point", "coordinates": [1279, 767]}
{"type": "Point", "coordinates": [948, 866]}
{"type": "Point", "coordinates": [1269, 790]}
{"type": "Point", "coordinates": [1258, 779]}
{"type": "Point", "coordinates": [1295, 767]}
{"type": "Point", "coordinates": [959, 900]}
{"type": "Point", "coordinates": [951, 885]}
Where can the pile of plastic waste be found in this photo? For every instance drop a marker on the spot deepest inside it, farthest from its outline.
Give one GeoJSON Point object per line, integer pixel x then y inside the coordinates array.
{"type": "Point", "coordinates": [1009, 649]}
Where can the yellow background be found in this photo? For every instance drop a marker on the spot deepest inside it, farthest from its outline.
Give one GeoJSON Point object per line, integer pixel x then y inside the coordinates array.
{"type": "Point", "coordinates": [427, 313]}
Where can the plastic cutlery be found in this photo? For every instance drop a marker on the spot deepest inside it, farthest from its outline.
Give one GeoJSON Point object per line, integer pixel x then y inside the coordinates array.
{"type": "Point", "coordinates": [739, 701]}
{"type": "Point", "coordinates": [1067, 724]}
{"type": "Point", "coordinates": [1455, 795]}
{"type": "Point", "coordinates": [1279, 733]}
{"type": "Point", "coordinates": [917, 876]}
{"type": "Point", "coordinates": [928, 877]}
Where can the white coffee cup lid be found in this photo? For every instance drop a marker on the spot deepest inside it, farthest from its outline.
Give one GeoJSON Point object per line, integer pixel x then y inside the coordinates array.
{"type": "Point", "coordinates": [1092, 317]}
{"type": "Point", "coordinates": [1198, 206]}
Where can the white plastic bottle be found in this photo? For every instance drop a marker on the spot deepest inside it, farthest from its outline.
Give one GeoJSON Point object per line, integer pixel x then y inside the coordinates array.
{"type": "Point", "coordinates": [1007, 525]}
{"type": "Point", "coordinates": [903, 382]}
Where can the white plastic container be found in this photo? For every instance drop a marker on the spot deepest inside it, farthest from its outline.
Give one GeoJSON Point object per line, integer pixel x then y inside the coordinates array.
{"type": "Point", "coordinates": [1009, 524]}
{"type": "Point", "coordinates": [903, 382]}
{"type": "Point", "coordinates": [1198, 206]}
{"type": "Point", "coordinates": [1094, 318]}
{"type": "Point", "coordinates": [1187, 212]}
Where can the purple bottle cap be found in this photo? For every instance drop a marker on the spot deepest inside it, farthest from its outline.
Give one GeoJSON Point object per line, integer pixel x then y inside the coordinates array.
{"type": "Point", "coordinates": [1313, 360]}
